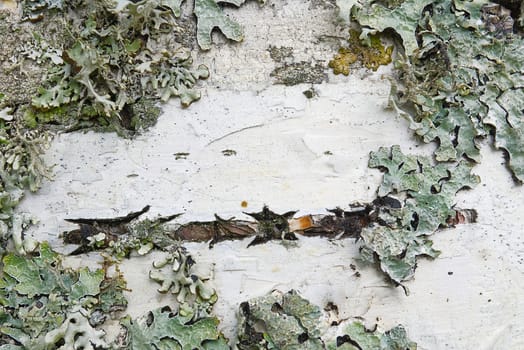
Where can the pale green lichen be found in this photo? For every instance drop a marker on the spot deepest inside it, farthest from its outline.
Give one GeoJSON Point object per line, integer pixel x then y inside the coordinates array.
{"type": "Point", "coordinates": [211, 16]}
{"type": "Point", "coordinates": [192, 288]}
{"type": "Point", "coordinates": [375, 16]}
{"type": "Point", "coordinates": [118, 58]}
{"type": "Point", "coordinates": [39, 295]}
{"type": "Point", "coordinates": [279, 321]}
{"type": "Point", "coordinates": [34, 9]}
{"type": "Point", "coordinates": [357, 337]}
{"type": "Point", "coordinates": [427, 190]}
{"type": "Point", "coordinates": [287, 321]}
{"type": "Point", "coordinates": [461, 76]}
{"type": "Point", "coordinates": [163, 329]}
{"type": "Point", "coordinates": [344, 9]}
{"type": "Point", "coordinates": [75, 333]}
{"type": "Point", "coordinates": [21, 168]}
{"type": "Point", "coordinates": [123, 235]}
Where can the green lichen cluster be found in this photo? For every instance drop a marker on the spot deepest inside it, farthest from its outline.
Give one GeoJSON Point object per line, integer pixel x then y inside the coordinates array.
{"type": "Point", "coordinates": [357, 337]}
{"type": "Point", "coordinates": [459, 77]}
{"type": "Point", "coordinates": [120, 237]}
{"type": "Point", "coordinates": [371, 55]}
{"type": "Point", "coordinates": [39, 297]}
{"type": "Point", "coordinates": [287, 321]}
{"type": "Point", "coordinates": [35, 10]}
{"type": "Point", "coordinates": [279, 321]}
{"type": "Point", "coordinates": [106, 64]}
{"type": "Point", "coordinates": [45, 306]}
{"type": "Point", "coordinates": [141, 237]}
{"type": "Point", "coordinates": [176, 273]}
{"type": "Point", "coordinates": [427, 192]}
{"type": "Point", "coordinates": [461, 74]}
{"type": "Point", "coordinates": [164, 329]}
{"type": "Point", "coordinates": [21, 169]}
{"type": "Point", "coordinates": [117, 64]}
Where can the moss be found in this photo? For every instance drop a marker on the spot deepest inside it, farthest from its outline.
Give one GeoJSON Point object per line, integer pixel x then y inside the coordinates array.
{"type": "Point", "coordinates": [371, 55]}
{"type": "Point", "coordinates": [33, 118]}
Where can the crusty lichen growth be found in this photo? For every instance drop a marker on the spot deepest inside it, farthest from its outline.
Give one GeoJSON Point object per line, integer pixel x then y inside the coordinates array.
{"type": "Point", "coordinates": [298, 73]}
{"type": "Point", "coordinates": [280, 54]}
{"type": "Point", "coordinates": [372, 54]}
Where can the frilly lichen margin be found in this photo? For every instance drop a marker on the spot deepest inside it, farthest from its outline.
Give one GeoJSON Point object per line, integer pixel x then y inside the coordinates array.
{"type": "Point", "coordinates": [292, 322]}
{"type": "Point", "coordinates": [460, 76]}
{"type": "Point", "coordinates": [78, 52]}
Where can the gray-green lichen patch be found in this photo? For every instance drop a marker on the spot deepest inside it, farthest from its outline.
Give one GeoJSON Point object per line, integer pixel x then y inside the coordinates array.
{"type": "Point", "coordinates": [39, 299]}
{"type": "Point", "coordinates": [357, 337]}
{"type": "Point", "coordinates": [299, 72]}
{"type": "Point", "coordinates": [102, 76]}
{"type": "Point", "coordinates": [21, 168]}
{"type": "Point", "coordinates": [279, 321]}
{"type": "Point", "coordinates": [403, 16]}
{"type": "Point", "coordinates": [280, 54]}
{"type": "Point", "coordinates": [85, 64]}
{"type": "Point", "coordinates": [122, 235]}
{"type": "Point", "coordinates": [176, 273]}
{"type": "Point", "coordinates": [288, 72]}
{"type": "Point", "coordinates": [164, 329]}
{"type": "Point", "coordinates": [210, 16]}
{"type": "Point", "coordinates": [428, 193]}
{"type": "Point", "coordinates": [76, 333]}
{"type": "Point", "coordinates": [461, 76]}
{"type": "Point", "coordinates": [35, 10]}
{"type": "Point", "coordinates": [287, 321]}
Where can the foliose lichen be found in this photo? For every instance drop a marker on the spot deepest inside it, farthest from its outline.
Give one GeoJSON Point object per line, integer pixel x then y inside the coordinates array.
{"type": "Point", "coordinates": [117, 59]}
{"type": "Point", "coordinates": [194, 294]}
{"type": "Point", "coordinates": [461, 75]}
{"type": "Point", "coordinates": [21, 168]}
{"type": "Point", "coordinates": [123, 235]}
{"type": "Point", "coordinates": [164, 329]}
{"type": "Point", "coordinates": [427, 193]}
{"type": "Point", "coordinates": [287, 321]}
{"type": "Point", "coordinates": [39, 298]}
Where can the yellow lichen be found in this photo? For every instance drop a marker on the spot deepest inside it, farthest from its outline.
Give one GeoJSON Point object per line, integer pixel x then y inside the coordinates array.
{"type": "Point", "coordinates": [342, 61]}
{"type": "Point", "coordinates": [371, 55]}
